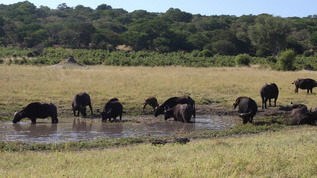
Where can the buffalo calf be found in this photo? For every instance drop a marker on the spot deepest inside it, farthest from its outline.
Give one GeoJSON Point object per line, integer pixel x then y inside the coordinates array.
{"type": "Point", "coordinates": [37, 110]}
{"type": "Point", "coordinates": [152, 101]}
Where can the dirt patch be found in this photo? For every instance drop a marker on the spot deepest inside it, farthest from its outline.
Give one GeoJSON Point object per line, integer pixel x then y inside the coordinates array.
{"type": "Point", "coordinates": [70, 63]}
{"type": "Point", "coordinates": [217, 110]}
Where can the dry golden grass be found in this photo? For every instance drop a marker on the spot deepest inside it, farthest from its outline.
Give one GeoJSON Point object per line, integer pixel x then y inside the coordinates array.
{"type": "Point", "coordinates": [287, 153]}
{"type": "Point", "coordinates": [21, 85]}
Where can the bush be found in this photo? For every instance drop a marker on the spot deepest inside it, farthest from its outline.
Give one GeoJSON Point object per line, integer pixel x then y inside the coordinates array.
{"type": "Point", "coordinates": [286, 60]}
{"type": "Point", "coordinates": [308, 53]}
{"type": "Point", "coordinates": [206, 53]}
{"type": "Point", "coordinates": [242, 59]}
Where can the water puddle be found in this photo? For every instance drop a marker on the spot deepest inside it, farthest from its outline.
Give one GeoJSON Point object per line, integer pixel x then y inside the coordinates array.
{"type": "Point", "coordinates": [74, 129]}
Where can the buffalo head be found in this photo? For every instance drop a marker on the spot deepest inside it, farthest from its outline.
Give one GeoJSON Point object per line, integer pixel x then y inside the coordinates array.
{"type": "Point", "coordinates": [17, 117]}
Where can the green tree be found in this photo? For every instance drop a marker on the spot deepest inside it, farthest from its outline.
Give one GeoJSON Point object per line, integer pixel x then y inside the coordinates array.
{"type": "Point", "coordinates": [177, 15]}
{"type": "Point", "coordinates": [137, 40]}
{"type": "Point", "coordinates": [35, 38]}
{"type": "Point", "coordinates": [68, 38]}
{"type": "Point", "coordinates": [270, 32]}
{"type": "Point", "coordinates": [224, 47]}
{"type": "Point", "coordinates": [313, 39]}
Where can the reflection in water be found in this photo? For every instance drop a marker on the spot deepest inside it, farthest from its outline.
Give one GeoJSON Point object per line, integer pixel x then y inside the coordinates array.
{"type": "Point", "coordinates": [72, 129]}
{"type": "Point", "coordinates": [80, 125]}
{"type": "Point", "coordinates": [35, 130]}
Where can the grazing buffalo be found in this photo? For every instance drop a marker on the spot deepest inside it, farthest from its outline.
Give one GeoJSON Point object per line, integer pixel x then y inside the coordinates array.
{"type": "Point", "coordinates": [301, 115]}
{"type": "Point", "coordinates": [307, 83]}
{"type": "Point", "coordinates": [112, 109]}
{"type": "Point", "coordinates": [269, 92]}
{"type": "Point", "coordinates": [37, 110]}
{"type": "Point", "coordinates": [171, 102]}
{"type": "Point", "coordinates": [247, 108]}
{"type": "Point", "coordinates": [152, 101]}
{"type": "Point", "coordinates": [180, 112]}
{"type": "Point", "coordinates": [80, 102]}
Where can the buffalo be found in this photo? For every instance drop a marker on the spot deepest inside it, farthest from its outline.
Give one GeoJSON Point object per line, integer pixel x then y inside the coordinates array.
{"type": "Point", "coordinates": [152, 101]}
{"type": "Point", "coordinates": [247, 108]}
{"type": "Point", "coordinates": [307, 83]}
{"type": "Point", "coordinates": [301, 115]}
{"type": "Point", "coordinates": [37, 110]}
{"type": "Point", "coordinates": [171, 102]}
{"type": "Point", "coordinates": [79, 104]}
{"type": "Point", "coordinates": [268, 92]}
{"type": "Point", "coordinates": [112, 109]}
{"type": "Point", "coordinates": [180, 112]}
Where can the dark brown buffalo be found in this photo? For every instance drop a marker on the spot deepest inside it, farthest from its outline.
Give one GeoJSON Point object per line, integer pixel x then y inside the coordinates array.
{"type": "Point", "coordinates": [307, 83]}
{"type": "Point", "coordinates": [268, 92]}
{"type": "Point", "coordinates": [152, 101]}
{"type": "Point", "coordinates": [37, 110]}
{"type": "Point", "coordinates": [180, 112]}
{"type": "Point", "coordinates": [112, 109]}
{"type": "Point", "coordinates": [79, 104]}
{"type": "Point", "coordinates": [247, 108]}
{"type": "Point", "coordinates": [301, 115]}
{"type": "Point", "coordinates": [171, 102]}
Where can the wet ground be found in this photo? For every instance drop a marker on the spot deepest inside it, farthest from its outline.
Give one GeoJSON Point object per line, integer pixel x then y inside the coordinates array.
{"type": "Point", "coordinates": [74, 129]}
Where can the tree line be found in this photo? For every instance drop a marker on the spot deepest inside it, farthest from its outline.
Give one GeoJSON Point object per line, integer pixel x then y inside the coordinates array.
{"type": "Point", "coordinates": [24, 25]}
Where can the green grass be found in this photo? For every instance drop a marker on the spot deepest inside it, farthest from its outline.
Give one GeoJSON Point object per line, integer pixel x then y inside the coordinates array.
{"type": "Point", "coordinates": [286, 153]}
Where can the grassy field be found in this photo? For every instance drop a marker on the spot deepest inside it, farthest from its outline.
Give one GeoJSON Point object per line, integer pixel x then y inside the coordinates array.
{"type": "Point", "coordinates": [220, 86]}
{"type": "Point", "coordinates": [287, 153]}
{"type": "Point", "coordinates": [280, 152]}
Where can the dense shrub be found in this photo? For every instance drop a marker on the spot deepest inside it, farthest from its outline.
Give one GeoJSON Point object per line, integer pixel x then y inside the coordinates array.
{"type": "Point", "coordinates": [308, 53]}
{"type": "Point", "coordinates": [286, 60]}
{"type": "Point", "coordinates": [242, 59]}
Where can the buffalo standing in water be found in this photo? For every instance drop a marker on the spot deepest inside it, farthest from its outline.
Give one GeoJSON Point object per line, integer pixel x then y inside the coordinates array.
{"type": "Point", "coordinates": [307, 83]}
{"type": "Point", "coordinates": [37, 110]}
{"type": "Point", "coordinates": [171, 102]}
{"type": "Point", "coordinates": [180, 112]}
{"type": "Point", "coordinates": [269, 92]}
{"type": "Point", "coordinates": [247, 108]}
{"type": "Point", "coordinates": [112, 109]}
{"type": "Point", "coordinates": [301, 115]}
{"type": "Point", "coordinates": [80, 102]}
{"type": "Point", "coordinates": [152, 101]}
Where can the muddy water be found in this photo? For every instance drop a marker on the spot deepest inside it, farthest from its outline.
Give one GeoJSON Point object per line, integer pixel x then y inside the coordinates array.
{"type": "Point", "coordinates": [73, 129]}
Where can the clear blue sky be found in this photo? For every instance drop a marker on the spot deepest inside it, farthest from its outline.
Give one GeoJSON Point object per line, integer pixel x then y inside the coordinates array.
{"type": "Point", "coordinates": [283, 8]}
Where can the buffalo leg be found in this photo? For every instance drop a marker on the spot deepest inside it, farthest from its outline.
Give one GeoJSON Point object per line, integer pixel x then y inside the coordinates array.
{"type": "Point", "coordinates": [144, 106]}
{"type": "Point", "coordinates": [251, 119]}
{"type": "Point", "coordinates": [54, 120]}
{"type": "Point", "coordinates": [265, 101]}
{"type": "Point", "coordinates": [91, 109]}
{"type": "Point", "coordinates": [33, 120]}
{"type": "Point", "coordinates": [270, 103]}
{"type": "Point", "coordinates": [275, 102]}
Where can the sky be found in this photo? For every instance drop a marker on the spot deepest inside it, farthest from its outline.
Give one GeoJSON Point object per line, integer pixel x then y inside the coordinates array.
{"type": "Point", "coordinates": [283, 8]}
